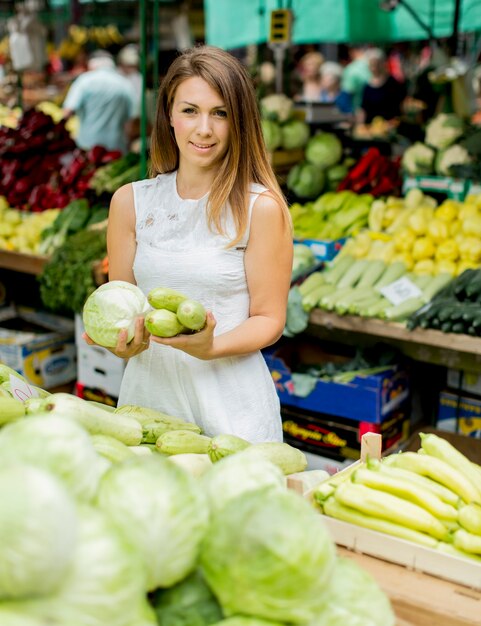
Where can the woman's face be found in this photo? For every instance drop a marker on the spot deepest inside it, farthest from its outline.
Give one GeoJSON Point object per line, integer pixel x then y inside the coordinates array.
{"type": "Point", "coordinates": [200, 123]}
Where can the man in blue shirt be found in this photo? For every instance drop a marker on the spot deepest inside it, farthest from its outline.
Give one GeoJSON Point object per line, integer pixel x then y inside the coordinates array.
{"type": "Point", "coordinates": [104, 102]}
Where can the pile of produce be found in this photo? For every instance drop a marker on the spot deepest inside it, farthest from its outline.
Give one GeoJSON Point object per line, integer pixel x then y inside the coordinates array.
{"type": "Point", "coordinates": [21, 231]}
{"type": "Point", "coordinates": [9, 117]}
{"type": "Point", "coordinates": [449, 149]}
{"type": "Point", "coordinates": [455, 309]}
{"type": "Point", "coordinates": [333, 215]}
{"type": "Point", "coordinates": [428, 239]}
{"type": "Point", "coordinates": [375, 174]}
{"type": "Point", "coordinates": [354, 286]}
{"type": "Point", "coordinates": [431, 497]}
{"type": "Point", "coordinates": [280, 128]}
{"type": "Point", "coordinates": [229, 546]}
{"type": "Point", "coordinates": [67, 278]}
{"type": "Point", "coordinates": [108, 178]}
{"type": "Point", "coordinates": [303, 261]}
{"type": "Point", "coordinates": [40, 166]}
{"type": "Point", "coordinates": [321, 169]}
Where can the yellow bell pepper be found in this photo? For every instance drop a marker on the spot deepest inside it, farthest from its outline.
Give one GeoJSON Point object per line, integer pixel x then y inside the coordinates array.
{"type": "Point", "coordinates": [466, 265]}
{"type": "Point", "coordinates": [423, 248]}
{"type": "Point", "coordinates": [447, 251]}
{"type": "Point", "coordinates": [472, 225]}
{"type": "Point", "coordinates": [426, 266]}
{"type": "Point", "coordinates": [419, 220]}
{"type": "Point", "coordinates": [454, 227]}
{"type": "Point", "coordinates": [446, 267]}
{"type": "Point", "coordinates": [390, 214]}
{"type": "Point", "coordinates": [362, 245]}
{"type": "Point", "coordinates": [447, 211]}
{"type": "Point", "coordinates": [404, 239]}
{"type": "Point", "coordinates": [438, 230]}
{"type": "Point", "coordinates": [405, 258]}
{"type": "Point", "coordinates": [470, 249]}
{"type": "Point", "coordinates": [468, 210]}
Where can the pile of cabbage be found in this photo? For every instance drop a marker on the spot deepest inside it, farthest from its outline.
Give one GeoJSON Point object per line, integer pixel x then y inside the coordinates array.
{"type": "Point", "coordinates": [88, 542]}
{"type": "Point", "coordinates": [442, 148]}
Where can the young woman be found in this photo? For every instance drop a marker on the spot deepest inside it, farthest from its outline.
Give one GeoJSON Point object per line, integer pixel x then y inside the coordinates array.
{"type": "Point", "coordinates": [212, 223]}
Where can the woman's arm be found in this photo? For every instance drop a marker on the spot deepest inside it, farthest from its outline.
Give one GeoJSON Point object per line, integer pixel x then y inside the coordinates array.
{"type": "Point", "coordinates": [268, 265]}
{"type": "Point", "coordinates": [121, 247]}
{"type": "Point", "coordinates": [121, 243]}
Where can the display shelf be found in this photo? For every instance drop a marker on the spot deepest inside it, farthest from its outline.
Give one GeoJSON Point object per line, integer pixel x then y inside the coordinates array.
{"type": "Point", "coordinates": [419, 599]}
{"type": "Point", "coordinates": [19, 262]}
{"type": "Point", "coordinates": [432, 346]}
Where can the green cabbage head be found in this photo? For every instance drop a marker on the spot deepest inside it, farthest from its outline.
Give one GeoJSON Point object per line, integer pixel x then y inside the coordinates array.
{"type": "Point", "coordinates": [160, 509]}
{"type": "Point", "coordinates": [58, 445]}
{"type": "Point", "coordinates": [268, 554]}
{"type": "Point", "coordinates": [306, 180]}
{"type": "Point", "coordinates": [443, 130]}
{"type": "Point", "coordinates": [295, 134]}
{"type": "Point", "coordinates": [236, 475]}
{"type": "Point", "coordinates": [454, 155]}
{"type": "Point", "coordinates": [418, 159]}
{"type": "Point", "coordinates": [111, 308]}
{"type": "Point", "coordinates": [38, 532]}
{"type": "Point", "coordinates": [272, 134]}
{"type": "Point", "coordinates": [324, 150]}
{"type": "Point", "coordinates": [354, 599]}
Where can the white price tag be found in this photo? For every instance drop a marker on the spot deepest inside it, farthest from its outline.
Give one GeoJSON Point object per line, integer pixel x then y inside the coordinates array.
{"type": "Point", "coordinates": [401, 290]}
{"type": "Point", "coordinates": [20, 390]}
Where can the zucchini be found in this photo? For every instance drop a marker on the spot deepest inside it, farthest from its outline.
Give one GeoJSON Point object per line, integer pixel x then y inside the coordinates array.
{"type": "Point", "coordinates": [311, 300]}
{"type": "Point", "coordinates": [374, 271]}
{"type": "Point", "coordinates": [10, 409]}
{"type": "Point", "coordinates": [96, 421]}
{"type": "Point", "coordinates": [338, 269]}
{"type": "Point", "coordinates": [353, 274]}
{"type": "Point", "coordinates": [392, 273]}
{"type": "Point", "coordinates": [401, 311]}
{"type": "Point", "coordinates": [289, 459]}
{"type": "Point", "coordinates": [435, 285]}
{"type": "Point", "coordinates": [313, 281]}
{"type": "Point", "coordinates": [111, 449]}
{"type": "Point", "coordinates": [182, 442]}
{"type": "Point", "coordinates": [225, 445]}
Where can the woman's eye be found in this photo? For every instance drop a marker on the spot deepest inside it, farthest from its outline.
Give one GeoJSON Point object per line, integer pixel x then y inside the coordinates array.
{"type": "Point", "coordinates": [221, 113]}
{"type": "Point", "coordinates": [188, 110]}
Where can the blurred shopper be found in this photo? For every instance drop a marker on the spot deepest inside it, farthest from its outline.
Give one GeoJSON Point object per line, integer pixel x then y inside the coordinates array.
{"type": "Point", "coordinates": [309, 69]}
{"type": "Point", "coordinates": [331, 74]}
{"type": "Point", "coordinates": [105, 104]}
{"type": "Point", "coordinates": [383, 95]}
{"type": "Point", "coordinates": [128, 66]}
{"type": "Point", "coordinates": [356, 75]}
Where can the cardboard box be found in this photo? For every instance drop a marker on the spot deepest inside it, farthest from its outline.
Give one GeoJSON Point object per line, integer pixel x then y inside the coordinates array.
{"type": "Point", "coordinates": [464, 381]}
{"type": "Point", "coordinates": [38, 345]}
{"type": "Point", "coordinates": [95, 395]}
{"type": "Point", "coordinates": [331, 466]}
{"type": "Point", "coordinates": [98, 368]}
{"type": "Point", "coordinates": [365, 399]}
{"type": "Point", "coordinates": [324, 249]}
{"type": "Point", "coordinates": [459, 414]}
{"type": "Point", "coordinates": [338, 438]}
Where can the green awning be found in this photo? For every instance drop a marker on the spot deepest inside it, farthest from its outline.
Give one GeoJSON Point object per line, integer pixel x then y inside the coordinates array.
{"type": "Point", "coordinates": [236, 23]}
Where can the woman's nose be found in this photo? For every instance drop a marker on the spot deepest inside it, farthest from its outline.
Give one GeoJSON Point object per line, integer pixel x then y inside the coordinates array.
{"type": "Point", "coordinates": [204, 127]}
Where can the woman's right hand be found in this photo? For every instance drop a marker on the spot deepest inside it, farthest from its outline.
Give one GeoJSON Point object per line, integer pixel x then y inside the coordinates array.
{"type": "Point", "coordinates": [124, 350]}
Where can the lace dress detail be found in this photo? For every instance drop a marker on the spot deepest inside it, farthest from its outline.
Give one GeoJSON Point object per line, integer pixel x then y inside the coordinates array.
{"type": "Point", "coordinates": [177, 249]}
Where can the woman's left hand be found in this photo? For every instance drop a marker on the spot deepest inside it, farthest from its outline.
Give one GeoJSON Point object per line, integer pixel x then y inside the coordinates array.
{"type": "Point", "coordinates": [199, 344]}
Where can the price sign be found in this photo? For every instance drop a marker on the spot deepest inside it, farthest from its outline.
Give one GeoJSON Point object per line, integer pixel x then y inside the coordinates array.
{"type": "Point", "coordinates": [400, 291]}
{"type": "Point", "coordinates": [280, 26]}
{"type": "Point", "coordinates": [21, 390]}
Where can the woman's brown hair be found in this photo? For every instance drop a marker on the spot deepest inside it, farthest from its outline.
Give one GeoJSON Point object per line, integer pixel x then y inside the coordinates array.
{"type": "Point", "coordinates": [246, 160]}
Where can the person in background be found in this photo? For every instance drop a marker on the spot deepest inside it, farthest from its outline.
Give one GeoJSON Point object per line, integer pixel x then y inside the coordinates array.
{"type": "Point", "coordinates": [128, 66]}
{"type": "Point", "coordinates": [383, 95]}
{"type": "Point", "coordinates": [309, 69]}
{"type": "Point", "coordinates": [213, 224]}
{"type": "Point", "coordinates": [355, 75]}
{"type": "Point", "coordinates": [331, 87]}
{"type": "Point", "coordinates": [105, 104]}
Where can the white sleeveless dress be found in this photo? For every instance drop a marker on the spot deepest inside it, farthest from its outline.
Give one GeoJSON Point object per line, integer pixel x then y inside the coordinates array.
{"type": "Point", "coordinates": [176, 249]}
